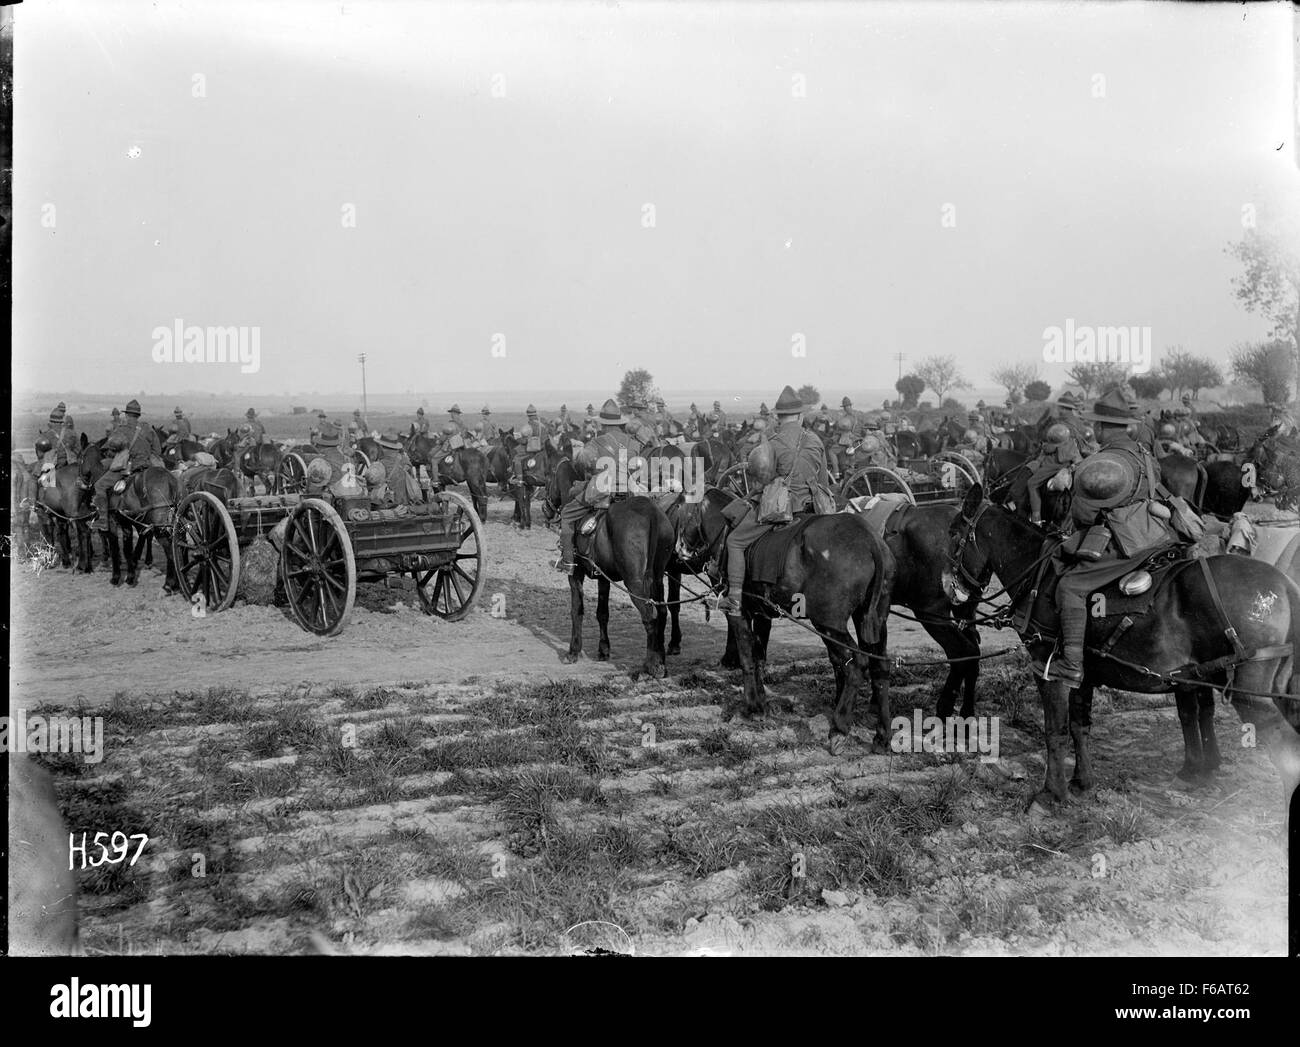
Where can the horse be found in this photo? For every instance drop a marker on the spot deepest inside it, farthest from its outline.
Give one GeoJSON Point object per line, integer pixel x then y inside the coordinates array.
{"type": "Point", "coordinates": [1184, 477]}
{"type": "Point", "coordinates": [64, 510]}
{"type": "Point", "coordinates": [144, 506]}
{"type": "Point", "coordinates": [468, 466]}
{"type": "Point", "coordinates": [632, 543]}
{"type": "Point", "coordinates": [1181, 645]}
{"type": "Point", "coordinates": [917, 536]}
{"type": "Point", "coordinates": [262, 462]}
{"type": "Point", "coordinates": [837, 570]}
{"type": "Point", "coordinates": [1276, 467]}
{"type": "Point", "coordinates": [182, 451]}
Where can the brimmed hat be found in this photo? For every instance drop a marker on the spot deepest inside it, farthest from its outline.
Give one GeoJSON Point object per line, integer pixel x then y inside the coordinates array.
{"type": "Point", "coordinates": [389, 438]}
{"type": "Point", "coordinates": [250, 413]}
{"type": "Point", "coordinates": [610, 414]}
{"type": "Point", "coordinates": [635, 404]}
{"type": "Point", "coordinates": [485, 410]}
{"type": "Point", "coordinates": [56, 415]}
{"type": "Point", "coordinates": [530, 410]}
{"type": "Point", "coordinates": [133, 409]}
{"type": "Point", "coordinates": [1111, 408]}
{"type": "Point", "coordinates": [591, 408]}
{"type": "Point", "coordinates": [178, 412]}
{"type": "Point", "coordinates": [328, 435]}
{"type": "Point", "coordinates": [117, 413]}
{"type": "Point", "coordinates": [418, 410]}
{"type": "Point", "coordinates": [454, 409]}
{"type": "Point", "coordinates": [1069, 400]}
{"type": "Point", "coordinates": [846, 402]}
{"type": "Point", "coordinates": [787, 403]}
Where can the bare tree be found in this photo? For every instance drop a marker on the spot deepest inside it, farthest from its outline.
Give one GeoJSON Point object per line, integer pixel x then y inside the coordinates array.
{"type": "Point", "coordinates": [941, 374]}
{"type": "Point", "coordinates": [1014, 378]}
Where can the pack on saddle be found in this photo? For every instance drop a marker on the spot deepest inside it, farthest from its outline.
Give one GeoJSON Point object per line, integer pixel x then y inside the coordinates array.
{"type": "Point", "coordinates": [130, 449]}
{"type": "Point", "coordinates": [1131, 537]}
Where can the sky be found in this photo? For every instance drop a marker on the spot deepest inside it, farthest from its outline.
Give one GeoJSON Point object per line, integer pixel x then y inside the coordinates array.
{"type": "Point", "coordinates": [538, 197]}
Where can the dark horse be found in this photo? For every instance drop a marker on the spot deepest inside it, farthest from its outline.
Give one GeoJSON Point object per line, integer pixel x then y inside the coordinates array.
{"type": "Point", "coordinates": [1183, 629]}
{"type": "Point", "coordinates": [260, 462]}
{"type": "Point", "coordinates": [141, 509]}
{"type": "Point", "coordinates": [464, 465]}
{"type": "Point", "coordinates": [836, 571]}
{"type": "Point", "coordinates": [631, 544]}
{"type": "Point", "coordinates": [918, 538]}
{"type": "Point", "coordinates": [64, 511]}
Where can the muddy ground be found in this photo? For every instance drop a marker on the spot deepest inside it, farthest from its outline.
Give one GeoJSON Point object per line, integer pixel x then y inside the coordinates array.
{"type": "Point", "coordinates": [418, 786]}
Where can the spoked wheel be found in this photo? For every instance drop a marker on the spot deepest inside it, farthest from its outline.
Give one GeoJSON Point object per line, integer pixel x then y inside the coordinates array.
{"type": "Point", "coordinates": [293, 474]}
{"type": "Point", "coordinates": [956, 472]}
{"type": "Point", "coordinates": [205, 550]}
{"type": "Point", "coordinates": [873, 480]}
{"type": "Point", "coordinates": [451, 589]}
{"type": "Point", "coordinates": [360, 460]}
{"type": "Point", "coordinates": [317, 567]}
{"type": "Point", "coordinates": [736, 480]}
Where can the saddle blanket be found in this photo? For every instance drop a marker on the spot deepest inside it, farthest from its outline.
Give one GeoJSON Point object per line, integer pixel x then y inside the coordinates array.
{"type": "Point", "coordinates": [881, 511]}
{"type": "Point", "coordinates": [765, 559]}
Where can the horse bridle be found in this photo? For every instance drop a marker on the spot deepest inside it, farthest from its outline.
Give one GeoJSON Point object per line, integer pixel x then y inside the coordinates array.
{"type": "Point", "coordinates": [1014, 589]}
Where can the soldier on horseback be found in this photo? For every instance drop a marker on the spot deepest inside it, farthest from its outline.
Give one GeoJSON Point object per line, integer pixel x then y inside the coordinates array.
{"type": "Point", "coordinates": [1119, 520]}
{"type": "Point", "coordinates": [420, 427]}
{"type": "Point", "coordinates": [718, 417]}
{"type": "Point", "coordinates": [131, 446]}
{"type": "Point", "coordinates": [389, 479]}
{"type": "Point", "coordinates": [114, 421]}
{"type": "Point", "coordinates": [356, 427]}
{"type": "Point", "coordinates": [800, 459]}
{"type": "Point", "coordinates": [453, 420]}
{"type": "Point", "coordinates": [1068, 415]}
{"type": "Point", "coordinates": [1058, 452]}
{"type": "Point", "coordinates": [68, 450]}
{"type": "Point", "coordinates": [1186, 432]}
{"type": "Point", "coordinates": [327, 443]}
{"type": "Point", "coordinates": [179, 430]}
{"type": "Point", "coordinates": [600, 460]}
{"type": "Point", "coordinates": [252, 433]}
{"type": "Point", "coordinates": [491, 433]}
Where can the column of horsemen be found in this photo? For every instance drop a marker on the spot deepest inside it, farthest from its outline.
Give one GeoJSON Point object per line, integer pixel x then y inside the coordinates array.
{"type": "Point", "coordinates": [1108, 455]}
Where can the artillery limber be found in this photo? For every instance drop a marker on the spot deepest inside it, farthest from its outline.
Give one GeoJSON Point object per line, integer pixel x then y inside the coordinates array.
{"type": "Point", "coordinates": [944, 478]}
{"type": "Point", "coordinates": [326, 546]}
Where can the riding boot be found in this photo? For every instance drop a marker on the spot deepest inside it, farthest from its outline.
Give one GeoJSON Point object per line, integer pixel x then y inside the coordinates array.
{"type": "Point", "coordinates": [1068, 666]}
{"type": "Point", "coordinates": [566, 547]}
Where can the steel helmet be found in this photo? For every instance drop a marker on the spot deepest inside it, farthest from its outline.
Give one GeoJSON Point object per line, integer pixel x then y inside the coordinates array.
{"type": "Point", "coordinates": [1168, 430]}
{"type": "Point", "coordinates": [43, 446]}
{"type": "Point", "coordinates": [1056, 434]}
{"type": "Point", "coordinates": [761, 463]}
{"type": "Point", "coordinates": [318, 472]}
{"type": "Point", "coordinates": [971, 436]}
{"type": "Point", "coordinates": [525, 431]}
{"type": "Point", "coordinates": [1104, 478]}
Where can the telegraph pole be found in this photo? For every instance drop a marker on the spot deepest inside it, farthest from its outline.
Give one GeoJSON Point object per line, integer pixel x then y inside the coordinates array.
{"type": "Point", "coordinates": [900, 357]}
{"type": "Point", "coordinates": [365, 413]}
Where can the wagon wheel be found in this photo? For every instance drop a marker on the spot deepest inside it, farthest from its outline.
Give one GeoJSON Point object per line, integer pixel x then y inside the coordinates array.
{"type": "Point", "coordinates": [205, 550]}
{"type": "Point", "coordinates": [451, 589]}
{"type": "Point", "coordinates": [735, 480]}
{"type": "Point", "coordinates": [293, 474]}
{"type": "Point", "coordinates": [957, 473]}
{"type": "Point", "coordinates": [360, 461]}
{"type": "Point", "coordinates": [317, 567]}
{"type": "Point", "coordinates": [873, 480]}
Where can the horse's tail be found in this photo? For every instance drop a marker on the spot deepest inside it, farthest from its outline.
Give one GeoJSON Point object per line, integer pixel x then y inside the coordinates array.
{"type": "Point", "coordinates": [880, 594]}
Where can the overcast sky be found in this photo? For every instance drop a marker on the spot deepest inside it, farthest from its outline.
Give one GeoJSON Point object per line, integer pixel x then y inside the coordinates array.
{"type": "Point", "coordinates": [499, 159]}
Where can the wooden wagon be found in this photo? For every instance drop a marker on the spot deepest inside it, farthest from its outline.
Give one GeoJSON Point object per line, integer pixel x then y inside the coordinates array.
{"type": "Point", "coordinates": [326, 547]}
{"type": "Point", "coordinates": [944, 478]}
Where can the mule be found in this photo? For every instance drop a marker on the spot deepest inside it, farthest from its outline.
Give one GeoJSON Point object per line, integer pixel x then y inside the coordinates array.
{"type": "Point", "coordinates": [1181, 637]}
{"type": "Point", "coordinates": [65, 512]}
{"type": "Point", "coordinates": [143, 508]}
{"type": "Point", "coordinates": [838, 571]}
{"type": "Point", "coordinates": [468, 466]}
{"type": "Point", "coordinates": [631, 544]}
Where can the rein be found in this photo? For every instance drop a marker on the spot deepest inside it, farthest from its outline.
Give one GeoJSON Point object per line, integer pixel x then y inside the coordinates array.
{"type": "Point", "coordinates": [1013, 589]}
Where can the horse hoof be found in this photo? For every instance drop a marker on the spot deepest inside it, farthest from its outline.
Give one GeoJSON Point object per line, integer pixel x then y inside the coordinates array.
{"type": "Point", "coordinates": [116, 581]}
{"type": "Point", "coordinates": [570, 658]}
{"type": "Point", "coordinates": [674, 648]}
{"type": "Point", "coordinates": [602, 656]}
{"type": "Point", "coordinates": [132, 582]}
{"type": "Point", "coordinates": [1079, 787]}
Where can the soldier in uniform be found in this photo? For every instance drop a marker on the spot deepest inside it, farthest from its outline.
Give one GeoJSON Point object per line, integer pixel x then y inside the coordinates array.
{"type": "Point", "coordinates": [801, 459]}
{"type": "Point", "coordinates": [529, 438]}
{"type": "Point", "coordinates": [1119, 522]}
{"type": "Point", "coordinates": [1058, 452]}
{"type": "Point", "coordinates": [718, 417]}
{"type": "Point", "coordinates": [68, 450]}
{"type": "Point", "coordinates": [975, 422]}
{"type": "Point", "coordinates": [849, 415]}
{"type": "Point", "coordinates": [536, 421]}
{"type": "Point", "coordinates": [394, 468]}
{"type": "Point", "coordinates": [141, 444]}
{"type": "Point", "coordinates": [600, 459]}
{"type": "Point", "coordinates": [1188, 434]}
{"type": "Point", "coordinates": [253, 433]}
{"type": "Point", "coordinates": [51, 433]}
{"type": "Point", "coordinates": [179, 430]}
{"type": "Point", "coordinates": [327, 443]}
{"type": "Point", "coordinates": [491, 433]}
{"type": "Point", "coordinates": [356, 427]}
{"type": "Point", "coordinates": [421, 426]}
{"type": "Point", "coordinates": [115, 421]}
{"type": "Point", "coordinates": [875, 446]}
{"type": "Point", "coordinates": [453, 419]}
{"type": "Point", "coordinates": [1068, 414]}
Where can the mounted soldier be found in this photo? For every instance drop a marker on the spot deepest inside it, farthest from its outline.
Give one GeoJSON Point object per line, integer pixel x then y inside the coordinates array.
{"type": "Point", "coordinates": [179, 430]}
{"type": "Point", "coordinates": [535, 420]}
{"type": "Point", "coordinates": [602, 460]}
{"type": "Point", "coordinates": [252, 433]}
{"type": "Point", "coordinates": [1068, 405]}
{"type": "Point", "coordinates": [453, 419]}
{"type": "Point", "coordinates": [797, 457]}
{"type": "Point", "coordinates": [420, 427]}
{"type": "Point", "coordinates": [1058, 452]}
{"type": "Point", "coordinates": [132, 446]}
{"type": "Point", "coordinates": [1120, 520]}
{"type": "Point", "coordinates": [1186, 431]}
{"type": "Point", "coordinates": [491, 432]}
{"type": "Point", "coordinates": [52, 432]}
{"type": "Point", "coordinates": [718, 417]}
{"type": "Point", "coordinates": [356, 428]}
{"type": "Point", "coordinates": [68, 450]}
{"type": "Point", "coordinates": [114, 421]}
